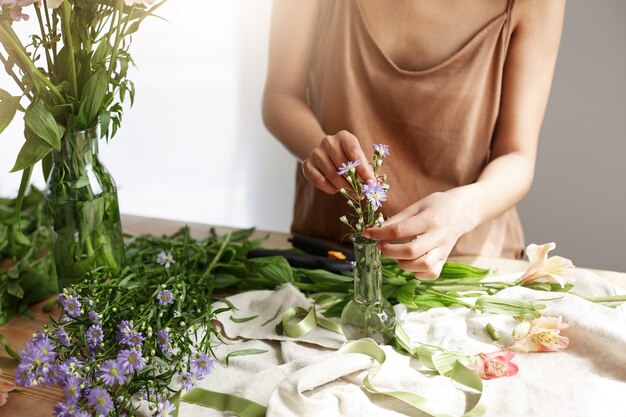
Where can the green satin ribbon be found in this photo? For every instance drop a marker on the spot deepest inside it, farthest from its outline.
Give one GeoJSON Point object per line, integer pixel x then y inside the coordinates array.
{"type": "Point", "coordinates": [306, 325]}
{"type": "Point", "coordinates": [220, 401]}
{"type": "Point", "coordinates": [460, 373]}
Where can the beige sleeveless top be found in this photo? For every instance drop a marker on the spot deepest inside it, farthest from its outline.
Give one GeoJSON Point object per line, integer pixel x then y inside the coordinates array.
{"type": "Point", "coordinates": [438, 122]}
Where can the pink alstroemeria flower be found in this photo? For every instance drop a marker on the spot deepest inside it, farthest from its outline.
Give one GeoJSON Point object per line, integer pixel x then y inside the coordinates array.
{"type": "Point", "coordinates": [540, 335]}
{"type": "Point", "coordinates": [496, 365]}
{"type": "Point", "coordinates": [551, 269]}
{"type": "Point", "coordinates": [5, 388]}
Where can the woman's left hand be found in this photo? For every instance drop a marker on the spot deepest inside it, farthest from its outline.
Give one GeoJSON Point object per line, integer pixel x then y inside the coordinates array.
{"type": "Point", "coordinates": [422, 236]}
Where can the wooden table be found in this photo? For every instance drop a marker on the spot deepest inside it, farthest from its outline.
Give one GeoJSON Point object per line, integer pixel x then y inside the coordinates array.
{"type": "Point", "coordinates": [38, 401]}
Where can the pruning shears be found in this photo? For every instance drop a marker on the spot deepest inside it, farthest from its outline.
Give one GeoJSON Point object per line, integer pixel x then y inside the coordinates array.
{"type": "Point", "coordinates": [315, 255]}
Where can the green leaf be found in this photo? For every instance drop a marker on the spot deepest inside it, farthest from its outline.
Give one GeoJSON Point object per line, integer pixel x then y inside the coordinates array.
{"type": "Point", "coordinates": [275, 269]}
{"type": "Point", "coordinates": [243, 352]}
{"type": "Point", "coordinates": [453, 270]}
{"type": "Point", "coordinates": [93, 98]}
{"type": "Point", "coordinates": [243, 319]}
{"type": "Point", "coordinates": [33, 150]}
{"type": "Point", "coordinates": [15, 289]}
{"type": "Point", "coordinates": [8, 108]}
{"type": "Point", "coordinates": [511, 307]}
{"type": "Point", "coordinates": [41, 122]}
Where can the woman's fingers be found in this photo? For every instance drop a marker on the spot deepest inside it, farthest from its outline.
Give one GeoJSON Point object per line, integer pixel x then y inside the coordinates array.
{"type": "Point", "coordinates": [323, 163]}
{"type": "Point", "coordinates": [395, 229]}
{"type": "Point", "coordinates": [318, 179]}
{"type": "Point", "coordinates": [352, 149]}
{"type": "Point", "coordinates": [414, 249]}
{"type": "Point", "coordinates": [426, 267]}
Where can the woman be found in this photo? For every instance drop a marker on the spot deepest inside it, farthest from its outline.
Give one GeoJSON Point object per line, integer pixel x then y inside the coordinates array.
{"type": "Point", "coordinates": [458, 91]}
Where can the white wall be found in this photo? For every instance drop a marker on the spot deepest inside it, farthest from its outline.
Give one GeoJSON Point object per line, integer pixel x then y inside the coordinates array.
{"type": "Point", "coordinates": [578, 198]}
{"type": "Point", "coordinates": [194, 147]}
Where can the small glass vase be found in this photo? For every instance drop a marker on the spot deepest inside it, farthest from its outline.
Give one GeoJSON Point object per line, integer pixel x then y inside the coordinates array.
{"type": "Point", "coordinates": [81, 198]}
{"type": "Point", "coordinates": [368, 314]}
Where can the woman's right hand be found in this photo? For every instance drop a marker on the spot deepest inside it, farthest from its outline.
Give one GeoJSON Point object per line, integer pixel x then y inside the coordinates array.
{"type": "Point", "coordinates": [325, 160]}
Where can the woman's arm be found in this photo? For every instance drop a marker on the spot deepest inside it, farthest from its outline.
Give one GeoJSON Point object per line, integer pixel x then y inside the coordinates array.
{"type": "Point", "coordinates": [435, 223]}
{"type": "Point", "coordinates": [285, 111]}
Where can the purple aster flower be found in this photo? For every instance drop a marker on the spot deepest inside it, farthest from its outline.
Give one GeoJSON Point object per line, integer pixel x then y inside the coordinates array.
{"type": "Point", "coordinates": [164, 339]}
{"type": "Point", "coordinates": [189, 380]}
{"type": "Point", "coordinates": [53, 375]}
{"type": "Point", "coordinates": [125, 326]}
{"type": "Point", "coordinates": [133, 339]}
{"type": "Point", "coordinates": [71, 387]}
{"type": "Point", "coordinates": [100, 400]}
{"type": "Point", "coordinates": [165, 259]}
{"type": "Point", "coordinates": [63, 409]}
{"type": "Point", "coordinates": [95, 316]}
{"type": "Point", "coordinates": [165, 409]}
{"type": "Point", "coordinates": [94, 336]}
{"type": "Point", "coordinates": [131, 360]}
{"type": "Point", "coordinates": [381, 149]}
{"type": "Point", "coordinates": [82, 413]}
{"type": "Point", "coordinates": [45, 348]}
{"type": "Point", "coordinates": [62, 337]}
{"type": "Point", "coordinates": [70, 304]}
{"type": "Point", "coordinates": [201, 364]}
{"type": "Point", "coordinates": [24, 376]}
{"type": "Point", "coordinates": [350, 166]}
{"type": "Point", "coordinates": [375, 193]}
{"type": "Point", "coordinates": [112, 372]}
{"type": "Point", "coordinates": [165, 297]}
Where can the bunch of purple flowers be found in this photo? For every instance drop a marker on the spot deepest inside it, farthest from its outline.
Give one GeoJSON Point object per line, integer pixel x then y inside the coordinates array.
{"type": "Point", "coordinates": [119, 344]}
{"type": "Point", "coordinates": [365, 199]}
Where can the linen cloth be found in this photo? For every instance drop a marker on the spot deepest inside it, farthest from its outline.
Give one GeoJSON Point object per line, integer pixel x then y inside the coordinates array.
{"type": "Point", "coordinates": [307, 377]}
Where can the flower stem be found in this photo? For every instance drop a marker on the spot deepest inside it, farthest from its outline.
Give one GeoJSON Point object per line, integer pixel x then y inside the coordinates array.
{"type": "Point", "coordinates": [606, 299]}
{"type": "Point", "coordinates": [44, 39]}
{"type": "Point", "coordinates": [8, 37]}
{"type": "Point", "coordinates": [66, 15]}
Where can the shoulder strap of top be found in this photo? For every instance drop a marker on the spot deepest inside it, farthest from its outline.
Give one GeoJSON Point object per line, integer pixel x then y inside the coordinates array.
{"type": "Point", "coordinates": [509, 13]}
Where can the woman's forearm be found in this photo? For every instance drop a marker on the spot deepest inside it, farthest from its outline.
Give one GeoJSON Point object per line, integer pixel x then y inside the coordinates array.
{"type": "Point", "coordinates": [502, 184]}
{"type": "Point", "coordinates": [292, 122]}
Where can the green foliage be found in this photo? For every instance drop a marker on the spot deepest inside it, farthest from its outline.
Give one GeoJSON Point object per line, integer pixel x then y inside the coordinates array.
{"type": "Point", "coordinates": [73, 72]}
{"type": "Point", "coordinates": [26, 267]}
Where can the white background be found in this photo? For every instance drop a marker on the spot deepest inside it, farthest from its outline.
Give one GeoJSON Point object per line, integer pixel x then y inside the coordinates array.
{"type": "Point", "coordinates": [194, 147]}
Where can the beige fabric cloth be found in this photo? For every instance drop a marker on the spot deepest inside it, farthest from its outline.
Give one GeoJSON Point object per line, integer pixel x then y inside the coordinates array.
{"type": "Point", "coordinates": [302, 378]}
{"type": "Point", "coordinates": [439, 122]}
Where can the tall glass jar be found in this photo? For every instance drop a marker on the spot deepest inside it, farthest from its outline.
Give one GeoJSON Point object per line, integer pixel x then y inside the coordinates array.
{"type": "Point", "coordinates": [368, 314]}
{"type": "Point", "coordinates": [81, 197]}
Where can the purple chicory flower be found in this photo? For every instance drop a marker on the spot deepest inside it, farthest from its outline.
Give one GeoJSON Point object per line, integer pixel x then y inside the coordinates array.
{"type": "Point", "coordinates": [131, 360]}
{"type": "Point", "coordinates": [165, 297]}
{"type": "Point", "coordinates": [375, 194]}
{"type": "Point", "coordinates": [165, 259]}
{"type": "Point", "coordinates": [112, 372]}
{"type": "Point", "coordinates": [201, 364]}
{"type": "Point", "coordinates": [70, 304]}
{"type": "Point", "coordinates": [165, 409]}
{"type": "Point", "coordinates": [100, 400]}
{"type": "Point", "coordinates": [94, 336]}
{"type": "Point", "coordinates": [350, 166]}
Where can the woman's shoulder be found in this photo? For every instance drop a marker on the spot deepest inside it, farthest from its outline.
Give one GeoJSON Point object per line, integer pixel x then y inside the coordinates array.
{"type": "Point", "coordinates": [529, 14]}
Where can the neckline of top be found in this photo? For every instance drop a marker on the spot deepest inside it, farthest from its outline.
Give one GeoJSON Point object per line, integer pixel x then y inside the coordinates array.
{"type": "Point", "coordinates": [501, 18]}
